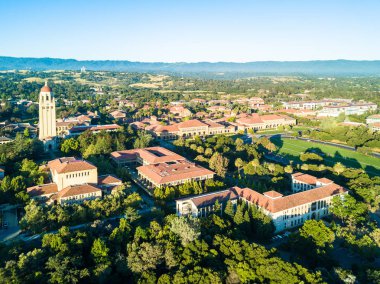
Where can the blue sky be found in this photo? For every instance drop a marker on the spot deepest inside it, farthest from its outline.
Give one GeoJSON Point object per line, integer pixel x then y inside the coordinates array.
{"type": "Point", "coordinates": [191, 31]}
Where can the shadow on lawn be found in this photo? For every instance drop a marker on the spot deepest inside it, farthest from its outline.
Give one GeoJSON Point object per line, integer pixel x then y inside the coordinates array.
{"type": "Point", "coordinates": [329, 160]}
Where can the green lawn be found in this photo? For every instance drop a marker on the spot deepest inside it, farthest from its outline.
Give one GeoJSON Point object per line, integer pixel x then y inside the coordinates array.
{"type": "Point", "coordinates": [293, 148]}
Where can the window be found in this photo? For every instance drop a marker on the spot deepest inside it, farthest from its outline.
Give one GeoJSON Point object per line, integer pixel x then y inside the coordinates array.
{"type": "Point", "coordinates": [314, 206]}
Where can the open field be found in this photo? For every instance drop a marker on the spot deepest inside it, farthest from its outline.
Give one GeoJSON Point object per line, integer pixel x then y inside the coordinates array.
{"type": "Point", "coordinates": [293, 148]}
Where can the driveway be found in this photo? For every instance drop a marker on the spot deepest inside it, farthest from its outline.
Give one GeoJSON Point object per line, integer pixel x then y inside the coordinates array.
{"type": "Point", "coordinates": [9, 214]}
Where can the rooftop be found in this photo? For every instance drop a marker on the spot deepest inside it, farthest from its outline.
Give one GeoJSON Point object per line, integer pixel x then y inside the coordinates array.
{"type": "Point", "coordinates": [210, 198]}
{"type": "Point", "coordinates": [191, 123]}
{"type": "Point", "coordinates": [173, 171]}
{"type": "Point", "coordinates": [151, 155]}
{"type": "Point", "coordinates": [309, 179]}
{"type": "Point", "coordinates": [77, 190]}
{"type": "Point", "coordinates": [70, 164]}
{"type": "Point", "coordinates": [46, 88]}
{"type": "Point", "coordinates": [274, 205]}
{"type": "Point", "coordinates": [108, 179]}
{"type": "Point", "coordinates": [44, 189]}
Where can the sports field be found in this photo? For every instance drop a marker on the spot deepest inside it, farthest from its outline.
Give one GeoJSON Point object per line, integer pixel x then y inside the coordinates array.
{"type": "Point", "coordinates": [292, 148]}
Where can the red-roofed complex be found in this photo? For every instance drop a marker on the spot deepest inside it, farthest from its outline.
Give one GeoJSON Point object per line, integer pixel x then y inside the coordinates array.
{"type": "Point", "coordinates": [160, 167]}
{"type": "Point", "coordinates": [180, 111]}
{"type": "Point", "coordinates": [184, 129]}
{"type": "Point", "coordinates": [259, 122]}
{"type": "Point", "coordinates": [302, 182]}
{"type": "Point", "coordinates": [145, 156]}
{"type": "Point", "coordinates": [173, 173]}
{"type": "Point", "coordinates": [285, 211]}
{"type": "Point", "coordinates": [78, 130]}
{"type": "Point", "coordinates": [73, 181]}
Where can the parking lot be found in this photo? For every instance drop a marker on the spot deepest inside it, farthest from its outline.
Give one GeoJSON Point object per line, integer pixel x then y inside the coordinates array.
{"type": "Point", "coordinates": [9, 222]}
{"type": "Point", "coordinates": [280, 237]}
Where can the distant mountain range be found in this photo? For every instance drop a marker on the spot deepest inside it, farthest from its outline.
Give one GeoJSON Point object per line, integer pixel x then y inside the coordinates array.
{"type": "Point", "coordinates": [317, 67]}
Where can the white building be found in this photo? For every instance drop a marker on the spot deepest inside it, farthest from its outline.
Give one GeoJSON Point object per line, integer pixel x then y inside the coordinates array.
{"type": "Point", "coordinates": [347, 109]}
{"type": "Point", "coordinates": [311, 200]}
{"type": "Point", "coordinates": [375, 118]}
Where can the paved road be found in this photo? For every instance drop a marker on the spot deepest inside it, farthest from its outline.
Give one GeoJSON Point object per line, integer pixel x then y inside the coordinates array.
{"type": "Point", "coordinates": [9, 215]}
{"type": "Point", "coordinates": [73, 228]}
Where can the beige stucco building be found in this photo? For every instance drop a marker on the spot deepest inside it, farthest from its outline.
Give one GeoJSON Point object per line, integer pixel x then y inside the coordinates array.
{"type": "Point", "coordinates": [185, 129]}
{"type": "Point", "coordinates": [71, 171]}
{"type": "Point", "coordinates": [73, 181]}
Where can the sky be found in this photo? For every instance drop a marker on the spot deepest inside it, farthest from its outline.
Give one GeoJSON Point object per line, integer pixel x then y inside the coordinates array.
{"type": "Point", "coordinates": [191, 30]}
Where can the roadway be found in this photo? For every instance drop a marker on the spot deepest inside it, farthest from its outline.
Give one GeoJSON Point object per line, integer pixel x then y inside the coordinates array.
{"type": "Point", "coordinates": [25, 238]}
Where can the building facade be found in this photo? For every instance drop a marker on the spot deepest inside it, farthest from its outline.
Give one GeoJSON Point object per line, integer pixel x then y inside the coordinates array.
{"type": "Point", "coordinates": [184, 129]}
{"type": "Point", "coordinates": [73, 181]}
{"type": "Point", "coordinates": [160, 167]}
{"type": "Point", "coordinates": [260, 122]}
{"type": "Point", "coordinates": [311, 200]}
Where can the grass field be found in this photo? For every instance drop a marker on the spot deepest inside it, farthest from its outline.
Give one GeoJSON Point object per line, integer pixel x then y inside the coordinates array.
{"type": "Point", "coordinates": [293, 148]}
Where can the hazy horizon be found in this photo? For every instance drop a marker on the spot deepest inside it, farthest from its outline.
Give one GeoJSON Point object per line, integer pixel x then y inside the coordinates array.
{"type": "Point", "coordinates": [191, 31]}
{"type": "Point", "coordinates": [190, 62]}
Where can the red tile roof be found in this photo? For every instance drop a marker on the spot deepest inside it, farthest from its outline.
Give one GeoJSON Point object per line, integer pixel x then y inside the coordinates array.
{"type": "Point", "coordinates": [271, 117]}
{"type": "Point", "coordinates": [152, 155]}
{"type": "Point", "coordinates": [164, 128]}
{"type": "Point", "coordinates": [325, 180]}
{"type": "Point", "coordinates": [191, 123]}
{"type": "Point", "coordinates": [83, 128]}
{"type": "Point", "coordinates": [210, 198]}
{"type": "Point", "coordinates": [213, 124]}
{"type": "Point", "coordinates": [272, 194]}
{"type": "Point", "coordinates": [108, 179]}
{"type": "Point", "coordinates": [46, 88]}
{"type": "Point", "coordinates": [169, 172]}
{"type": "Point", "coordinates": [274, 205]}
{"type": "Point", "coordinates": [251, 119]}
{"type": "Point", "coordinates": [305, 178]}
{"type": "Point", "coordinates": [70, 164]}
{"type": "Point", "coordinates": [44, 189]}
{"type": "Point", "coordinates": [77, 190]}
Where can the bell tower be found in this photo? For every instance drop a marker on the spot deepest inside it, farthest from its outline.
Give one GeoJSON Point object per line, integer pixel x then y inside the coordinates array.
{"type": "Point", "coordinates": [47, 118]}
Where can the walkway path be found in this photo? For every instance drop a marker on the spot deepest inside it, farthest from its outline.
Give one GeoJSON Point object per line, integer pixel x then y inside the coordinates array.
{"type": "Point", "coordinates": [71, 228]}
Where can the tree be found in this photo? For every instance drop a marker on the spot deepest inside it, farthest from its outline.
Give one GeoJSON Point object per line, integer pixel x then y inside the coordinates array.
{"type": "Point", "coordinates": [271, 167]}
{"type": "Point", "coordinates": [239, 215]}
{"type": "Point", "coordinates": [70, 146]}
{"type": "Point", "coordinates": [339, 168]}
{"type": "Point", "coordinates": [144, 140]}
{"type": "Point", "coordinates": [239, 143]}
{"type": "Point", "coordinates": [187, 228]}
{"type": "Point", "coordinates": [131, 214]}
{"type": "Point", "coordinates": [99, 251]}
{"type": "Point", "coordinates": [144, 257]}
{"type": "Point", "coordinates": [229, 210]}
{"type": "Point", "coordinates": [34, 218]}
{"type": "Point", "coordinates": [219, 164]}
{"type": "Point", "coordinates": [317, 233]}
{"type": "Point", "coordinates": [288, 169]}
{"type": "Point", "coordinates": [208, 152]}
{"type": "Point", "coordinates": [239, 163]}
{"type": "Point", "coordinates": [348, 209]}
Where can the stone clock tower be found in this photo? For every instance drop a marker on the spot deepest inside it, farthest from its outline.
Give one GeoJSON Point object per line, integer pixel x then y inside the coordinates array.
{"type": "Point", "coordinates": [47, 118]}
